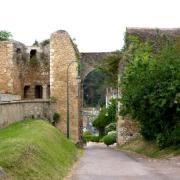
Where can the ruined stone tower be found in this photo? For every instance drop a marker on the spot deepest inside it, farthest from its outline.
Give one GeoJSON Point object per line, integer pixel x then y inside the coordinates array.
{"type": "Point", "coordinates": [62, 54]}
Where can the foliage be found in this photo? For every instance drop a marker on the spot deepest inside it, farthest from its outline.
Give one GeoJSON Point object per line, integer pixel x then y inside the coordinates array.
{"type": "Point", "coordinates": [45, 42]}
{"type": "Point", "coordinates": [94, 87]}
{"type": "Point", "coordinates": [105, 117]}
{"type": "Point", "coordinates": [56, 118]}
{"type": "Point", "coordinates": [149, 148]}
{"type": "Point", "coordinates": [33, 149]}
{"type": "Point", "coordinates": [110, 138]}
{"type": "Point", "coordinates": [101, 121]}
{"type": "Point", "coordinates": [36, 43]}
{"type": "Point", "coordinates": [95, 138]}
{"type": "Point", "coordinates": [33, 61]}
{"type": "Point", "coordinates": [111, 111]}
{"type": "Point", "coordinates": [5, 35]}
{"type": "Point", "coordinates": [88, 136]}
{"type": "Point", "coordinates": [110, 67]}
{"type": "Point", "coordinates": [110, 127]}
{"type": "Point", "coordinates": [150, 86]}
{"type": "Point", "coordinates": [53, 99]}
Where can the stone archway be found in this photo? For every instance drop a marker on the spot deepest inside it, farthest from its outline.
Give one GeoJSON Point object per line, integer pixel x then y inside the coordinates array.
{"type": "Point", "coordinates": [90, 61]}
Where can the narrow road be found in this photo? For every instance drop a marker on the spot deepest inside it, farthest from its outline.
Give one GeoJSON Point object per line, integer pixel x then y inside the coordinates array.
{"type": "Point", "coordinates": [106, 163]}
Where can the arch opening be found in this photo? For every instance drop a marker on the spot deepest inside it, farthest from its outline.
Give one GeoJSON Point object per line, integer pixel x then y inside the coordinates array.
{"type": "Point", "coordinates": [94, 89]}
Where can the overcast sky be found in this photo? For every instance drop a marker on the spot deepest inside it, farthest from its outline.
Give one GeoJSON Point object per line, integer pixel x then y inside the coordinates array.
{"type": "Point", "coordinates": [97, 25]}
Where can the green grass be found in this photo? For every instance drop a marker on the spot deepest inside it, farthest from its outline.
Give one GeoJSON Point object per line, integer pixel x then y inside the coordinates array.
{"type": "Point", "coordinates": [34, 149]}
{"type": "Point", "coordinates": [149, 148]}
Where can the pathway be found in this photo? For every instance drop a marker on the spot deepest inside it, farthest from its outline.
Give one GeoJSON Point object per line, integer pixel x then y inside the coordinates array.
{"type": "Point", "coordinates": [102, 163]}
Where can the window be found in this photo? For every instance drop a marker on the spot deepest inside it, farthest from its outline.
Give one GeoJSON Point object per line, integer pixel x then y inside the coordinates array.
{"type": "Point", "coordinates": [33, 53]}
{"type": "Point", "coordinates": [48, 91]}
{"type": "Point", "coordinates": [26, 91]}
{"type": "Point", "coordinates": [38, 91]}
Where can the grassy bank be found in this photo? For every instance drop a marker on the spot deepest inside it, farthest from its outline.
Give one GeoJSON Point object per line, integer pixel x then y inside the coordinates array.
{"type": "Point", "coordinates": [150, 149]}
{"type": "Point", "coordinates": [33, 149]}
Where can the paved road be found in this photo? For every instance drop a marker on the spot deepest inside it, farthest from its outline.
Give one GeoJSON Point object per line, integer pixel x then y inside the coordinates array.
{"type": "Point", "coordinates": [102, 163]}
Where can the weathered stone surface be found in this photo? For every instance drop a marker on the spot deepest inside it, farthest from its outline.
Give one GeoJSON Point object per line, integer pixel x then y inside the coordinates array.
{"type": "Point", "coordinates": [126, 129]}
{"type": "Point", "coordinates": [18, 110]}
{"type": "Point", "coordinates": [6, 64]}
{"type": "Point", "coordinates": [9, 97]}
{"type": "Point", "coordinates": [90, 61]}
{"type": "Point", "coordinates": [62, 54]}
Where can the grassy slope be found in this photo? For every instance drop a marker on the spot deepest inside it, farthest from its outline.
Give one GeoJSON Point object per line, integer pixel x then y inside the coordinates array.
{"type": "Point", "coordinates": [139, 145]}
{"type": "Point", "coordinates": [33, 149]}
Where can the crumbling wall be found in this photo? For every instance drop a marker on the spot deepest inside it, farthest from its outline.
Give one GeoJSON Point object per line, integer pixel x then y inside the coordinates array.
{"type": "Point", "coordinates": [62, 53]}
{"type": "Point", "coordinates": [127, 129]}
{"type": "Point", "coordinates": [10, 75]}
{"type": "Point", "coordinates": [36, 71]}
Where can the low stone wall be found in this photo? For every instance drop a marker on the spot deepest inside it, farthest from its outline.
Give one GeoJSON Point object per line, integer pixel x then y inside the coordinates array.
{"type": "Point", "coordinates": [126, 129]}
{"type": "Point", "coordinates": [18, 110]}
{"type": "Point", "coordinates": [9, 97]}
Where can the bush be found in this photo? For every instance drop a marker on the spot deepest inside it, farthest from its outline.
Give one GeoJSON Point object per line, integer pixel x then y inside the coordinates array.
{"type": "Point", "coordinates": [95, 138]}
{"type": "Point", "coordinates": [101, 121]}
{"type": "Point", "coordinates": [174, 137]}
{"type": "Point", "coordinates": [88, 136]}
{"type": "Point", "coordinates": [110, 138]}
{"type": "Point", "coordinates": [56, 118]}
{"type": "Point", "coordinates": [150, 87]}
{"type": "Point", "coordinates": [110, 127]}
{"type": "Point", "coordinates": [105, 117]}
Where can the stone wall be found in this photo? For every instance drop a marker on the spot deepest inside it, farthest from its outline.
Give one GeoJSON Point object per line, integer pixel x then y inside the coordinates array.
{"type": "Point", "coordinates": [6, 64]}
{"type": "Point", "coordinates": [62, 53]}
{"type": "Point", "coordinates": [9, 97]}
{"type": "Point", "coordinates": [18, 110]}
{"type": "Point", "coordinates": [90, 61]}
{"type": "Point", "coordinates": [127, 129]}
{"type": "Point", "coordinates": [36, 71]}
{"type": "Point", "coordinates": [18, 69]}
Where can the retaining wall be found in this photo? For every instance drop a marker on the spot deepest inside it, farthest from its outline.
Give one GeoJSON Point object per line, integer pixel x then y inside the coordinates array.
{"type": "Point", "coordinates": [18, 110]}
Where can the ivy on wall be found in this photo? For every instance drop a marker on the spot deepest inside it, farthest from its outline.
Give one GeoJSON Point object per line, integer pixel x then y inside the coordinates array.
{"type": "Point", "coordinates": [150, 86]}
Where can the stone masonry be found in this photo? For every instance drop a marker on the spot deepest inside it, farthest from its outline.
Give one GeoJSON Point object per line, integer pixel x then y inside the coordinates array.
{"type": "Point", "coordinates": [8, 73]}
{"type": "Point", "coordinates": [62, 53]}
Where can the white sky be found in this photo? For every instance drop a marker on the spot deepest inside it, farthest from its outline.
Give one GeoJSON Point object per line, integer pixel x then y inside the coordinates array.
{"type": "Point", "coordinates": [97, 25]}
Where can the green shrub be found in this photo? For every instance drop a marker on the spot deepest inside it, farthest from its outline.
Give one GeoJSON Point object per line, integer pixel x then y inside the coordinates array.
{"type": "Point", "coordinates": [174, 137]}
{"type": "Point", "coordinates": [88, 136]}
{"type": "Point", "coordinates": [150, 87]}
{"type": "Point", "coordinates": [110, 138]}
{"type": "Point", "coordinates": [110, 127]}
{"type": "Point", "coordinates": [94, 138]}
{"type": "Point", "coordinates": [162, 140]}
{"type": "Point", "coordinates": [56, 118]}
{"type": "Point", "coordinates": [105, 117]}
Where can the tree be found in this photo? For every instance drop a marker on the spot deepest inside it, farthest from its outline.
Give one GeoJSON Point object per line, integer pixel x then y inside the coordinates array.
{"type": "Point", "coordinates": [150, 86]}
{"type": "Point", "coordinates": [5, 35]}
{"type": "Point", "coordinates": [100, 122]}
{"type": "Point", "coordinates": [36, 43]}
{"type": "Point", "coordinates": [110, 67]}
{"type": "Point", "coordinates": [105, 117]}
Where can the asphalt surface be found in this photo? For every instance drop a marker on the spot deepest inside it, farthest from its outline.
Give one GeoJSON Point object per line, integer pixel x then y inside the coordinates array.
{"type": "Point", "coordinates": [107, 163]}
